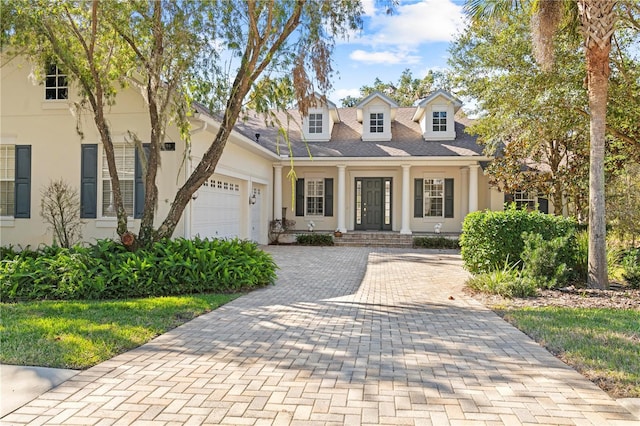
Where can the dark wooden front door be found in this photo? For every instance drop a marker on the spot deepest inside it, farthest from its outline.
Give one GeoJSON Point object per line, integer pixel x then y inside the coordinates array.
{"type": "Point", "coordinates": [370, 204]}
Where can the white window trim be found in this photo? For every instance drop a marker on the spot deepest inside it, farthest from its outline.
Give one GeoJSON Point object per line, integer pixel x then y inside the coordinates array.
{"type": "Point", "coordinates": [316, 125]}
{"type": "Point", "coordinates": [57, 75]}
{"type": "Point", "coordinates": [307, 180]}
{"type": "Point", "coordinates": [521, 197]}
{"type": "Point", "coordinates": [7, 147]}
{"type": "Point", "coordinates": [102, 216]}
{"type": "Point", "coordinates": [446, 121]}
{"type": "Point", "coordinates": [424, 196]}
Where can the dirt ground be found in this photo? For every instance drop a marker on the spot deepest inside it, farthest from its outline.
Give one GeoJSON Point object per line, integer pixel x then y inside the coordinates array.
{"type": "Point", "coordinates": [616, 297]}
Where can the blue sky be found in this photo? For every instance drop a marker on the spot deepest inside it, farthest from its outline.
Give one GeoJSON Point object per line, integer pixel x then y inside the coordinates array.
{"type": "Point", "coordinates": [415, 36]}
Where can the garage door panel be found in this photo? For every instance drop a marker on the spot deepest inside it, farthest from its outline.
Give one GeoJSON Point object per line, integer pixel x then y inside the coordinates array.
{"type": "Point", "coordinates": [217, 210]}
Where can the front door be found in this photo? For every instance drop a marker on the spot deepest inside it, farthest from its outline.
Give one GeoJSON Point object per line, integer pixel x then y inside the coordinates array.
{"type": "Point", "coordinates": [373, 204]}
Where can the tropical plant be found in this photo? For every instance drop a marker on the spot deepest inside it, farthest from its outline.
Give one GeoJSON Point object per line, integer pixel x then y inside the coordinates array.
{"type": "Point", "coordinates": [107, 270]}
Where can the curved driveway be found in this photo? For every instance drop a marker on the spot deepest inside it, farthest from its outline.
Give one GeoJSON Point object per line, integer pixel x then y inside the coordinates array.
{"type": "Point", "coordinates": [346, 336]}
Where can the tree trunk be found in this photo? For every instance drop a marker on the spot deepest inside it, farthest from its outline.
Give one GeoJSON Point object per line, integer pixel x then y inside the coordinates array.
{"type": "Point", "coordinates": [597, 19]}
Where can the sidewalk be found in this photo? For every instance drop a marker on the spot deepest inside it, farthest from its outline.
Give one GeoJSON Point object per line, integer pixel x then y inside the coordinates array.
{"type": "Point", "coordinates": [346, 336]}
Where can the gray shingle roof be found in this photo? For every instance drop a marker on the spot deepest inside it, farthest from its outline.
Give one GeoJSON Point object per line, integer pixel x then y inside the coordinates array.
{"type": "Point", "coordinates": [406, 141]}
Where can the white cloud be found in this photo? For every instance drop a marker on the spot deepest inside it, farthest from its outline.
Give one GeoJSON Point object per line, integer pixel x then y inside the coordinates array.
{"type": "Point", "coordinates": [369, 7]}
{"type": "Point", "coordinates": [343, 93]}
{"type": "Point", "coordinates": [413, 24]}
{"type": "Point", "coordinates": [384, 57]}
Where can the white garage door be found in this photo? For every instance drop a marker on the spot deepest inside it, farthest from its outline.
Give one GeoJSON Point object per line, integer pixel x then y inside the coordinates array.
{"type": "Point", "coordinates": [256, 216]}
{"type": "Point", "coordinates": [217, 210]}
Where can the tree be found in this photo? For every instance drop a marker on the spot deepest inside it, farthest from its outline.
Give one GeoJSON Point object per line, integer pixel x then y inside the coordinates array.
{"type": "Point", "coordinates": [535, 120]}
{"type": "Point", "coordinates": [596, 21]}
{"type": "Point", "coordinates": [406, 91]}
{"type": "Point", "coordinates": [169, 49]}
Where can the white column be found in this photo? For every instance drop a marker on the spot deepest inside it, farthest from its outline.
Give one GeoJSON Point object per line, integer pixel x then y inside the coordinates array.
{"type": "Point", "coordinates": [473, 187]}
{"type": "Point", "coordinates": [277, 192]}
{"type": "Point", "coordinates": [342, 199]}
{"type": "Point", "coordinates": [406, 200]}
{"type": "Point", "coordinates": [464, 198]}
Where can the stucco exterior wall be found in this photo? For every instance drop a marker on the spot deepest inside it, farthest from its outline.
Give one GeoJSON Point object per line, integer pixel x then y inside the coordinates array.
{"type": "Point", "coordinates": [56, 131]}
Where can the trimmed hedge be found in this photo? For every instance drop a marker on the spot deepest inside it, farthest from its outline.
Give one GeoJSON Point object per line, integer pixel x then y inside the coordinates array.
{"type": "Point", "coordinates": [314, 239]}
{"type": "Point", "coordinates": [492, 239]}
{"type": "Point", "coordinates": [106, 270]}
{"type": "Point", "coordinates": [436, 243]}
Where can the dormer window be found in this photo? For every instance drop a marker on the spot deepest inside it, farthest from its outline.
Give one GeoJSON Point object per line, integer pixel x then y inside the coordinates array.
{"type": "Point", "coordinates": [56, 85]}
{"type": "Point", "coordinates": [436, 113]}
{"type": "Point", "coordinates": [439, 121]}
{"type": "Point", "coordinates": [315, 123]}
{"type": "Point", "coordinates": [376, 122]}
{"type": "Point", "coordinates": [376, 112]}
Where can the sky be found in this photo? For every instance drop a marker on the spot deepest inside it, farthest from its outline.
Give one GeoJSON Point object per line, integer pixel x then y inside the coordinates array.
{"type": "Point", "coordinates": [416, 36]}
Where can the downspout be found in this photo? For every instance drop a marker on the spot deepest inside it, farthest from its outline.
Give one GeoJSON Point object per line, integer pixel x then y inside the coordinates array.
{"type": "Point", "coordinates": [187, 173]}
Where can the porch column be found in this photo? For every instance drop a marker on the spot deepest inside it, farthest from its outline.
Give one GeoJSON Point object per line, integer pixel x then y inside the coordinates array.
{"type": "Point", "coordinates": [473, 187]}
{"type": "Point", "coordinates": [406, 200]}
{"type": "Point", "coordinates": [277, 192]}
{"type": "Point", "coordinates": [342, 200]}
{"type": "Point", "coordinates": [464, 199]}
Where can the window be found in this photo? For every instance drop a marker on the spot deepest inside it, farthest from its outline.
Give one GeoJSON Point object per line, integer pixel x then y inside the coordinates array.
{"type": "Point", "coordinates": [7, 176]}
{"type": "Point", "coordinates": [439, 121]}
{"type": "Point", "coordinates": [376, 122]}
{"type": "Point", "coordinates": [434, 197]}
{"type": "Point", "coordinates": [56, 87]}
{"type": "Point", "coordinates": [315, 197]}
{"type": "Point", "coordinates": [524, 200]}
{"type": "Point", "coordinates": [125, 164]}
{"type": "Point", "coordinates": [315, 123]}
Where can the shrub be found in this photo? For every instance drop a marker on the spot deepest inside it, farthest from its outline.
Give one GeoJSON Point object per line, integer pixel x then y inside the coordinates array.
{"type": "Point", "coordinates": [313, 239]}
{"type": "Point", "coordinates": [435, 243]}
{"type": "Point", "coordinates": [490, 238]}
{"type": "Point", "coordinates": [106, 270]}
{"type": "Point", "coordinates": [60, 208]}
{"type": "Point", "coordinates": [631, 265]}
{"type": "Point", "coordinates": [506, 282]}
{"type": "Point", "coordinates": [541, 259]}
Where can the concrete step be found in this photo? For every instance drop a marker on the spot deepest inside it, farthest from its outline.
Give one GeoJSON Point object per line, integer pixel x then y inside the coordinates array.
{"type": "Point", "coordinates": [374, 239]}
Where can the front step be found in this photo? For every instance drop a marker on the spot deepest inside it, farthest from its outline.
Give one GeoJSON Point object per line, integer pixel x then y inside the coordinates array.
{"type": "Point", "coordinates": [374, 239]}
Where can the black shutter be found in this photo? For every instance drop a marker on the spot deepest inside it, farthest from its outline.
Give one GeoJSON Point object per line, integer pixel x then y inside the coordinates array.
{"type": "Point", "coordinates": [543, 205]}
{"type": "Point", "coordinates": [22, 185]}
{"type": "Point", "coordinates": [508, 199]}
{"type": "Point", "coordinates": [418, 198]}
{"type": "Point", "coordinates": [448, 198]}
{"type": "Point", "coordinates": [89, 181]}
{"type": "Point", "coordinates": [138, 190]}
{"type": "Point", "coordinates": [328, 197]}
{"type": "Point", "coordinates": [300, 197]}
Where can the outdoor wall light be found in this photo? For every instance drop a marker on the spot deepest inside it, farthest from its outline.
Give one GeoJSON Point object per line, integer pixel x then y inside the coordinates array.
{"type": "Point", "coordinates": [252, 199]}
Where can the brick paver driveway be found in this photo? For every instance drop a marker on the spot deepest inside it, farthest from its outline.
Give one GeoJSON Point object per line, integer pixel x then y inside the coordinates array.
{"type": "Point", "coordinates": [347, 336]}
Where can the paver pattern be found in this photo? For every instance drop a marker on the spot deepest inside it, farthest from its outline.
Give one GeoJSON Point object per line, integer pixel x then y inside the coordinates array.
{"type": "Point", "coordinates": [346, 336]}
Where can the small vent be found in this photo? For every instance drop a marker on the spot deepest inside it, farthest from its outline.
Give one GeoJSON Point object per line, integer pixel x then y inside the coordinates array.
{"type": "Point", "coordinates": [168, 146]}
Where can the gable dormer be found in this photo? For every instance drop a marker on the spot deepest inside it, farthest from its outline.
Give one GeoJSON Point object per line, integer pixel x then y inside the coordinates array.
{"type": "Point", "coordinates": [376, 112]}
{"type": "Point", "coordinates": [435, 113]}
{"type": "Point", "coordinates": [317, 125]}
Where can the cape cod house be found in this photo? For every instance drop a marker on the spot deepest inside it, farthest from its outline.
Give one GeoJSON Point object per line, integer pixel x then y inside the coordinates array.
{"type": "Point", "coordinates": [377, 166]}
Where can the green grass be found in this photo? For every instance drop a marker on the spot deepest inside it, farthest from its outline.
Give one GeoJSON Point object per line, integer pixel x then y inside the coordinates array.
{"type": "Point", "coordinates": [80, 334]}
{"type": "Point", "coordinates": [602, 344]}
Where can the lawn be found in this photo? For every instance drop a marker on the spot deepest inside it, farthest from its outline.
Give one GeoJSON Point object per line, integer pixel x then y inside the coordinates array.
{"type": "Point", "coordinates": [602, 344]}
{"type": "Point", "coordinates": [80, 334]}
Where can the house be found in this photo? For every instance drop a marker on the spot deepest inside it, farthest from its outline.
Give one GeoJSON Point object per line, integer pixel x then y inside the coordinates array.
{"type": "Point", "coordinates": [376, 166]}
{"type": "Point", "coordinates": [43, 137]}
